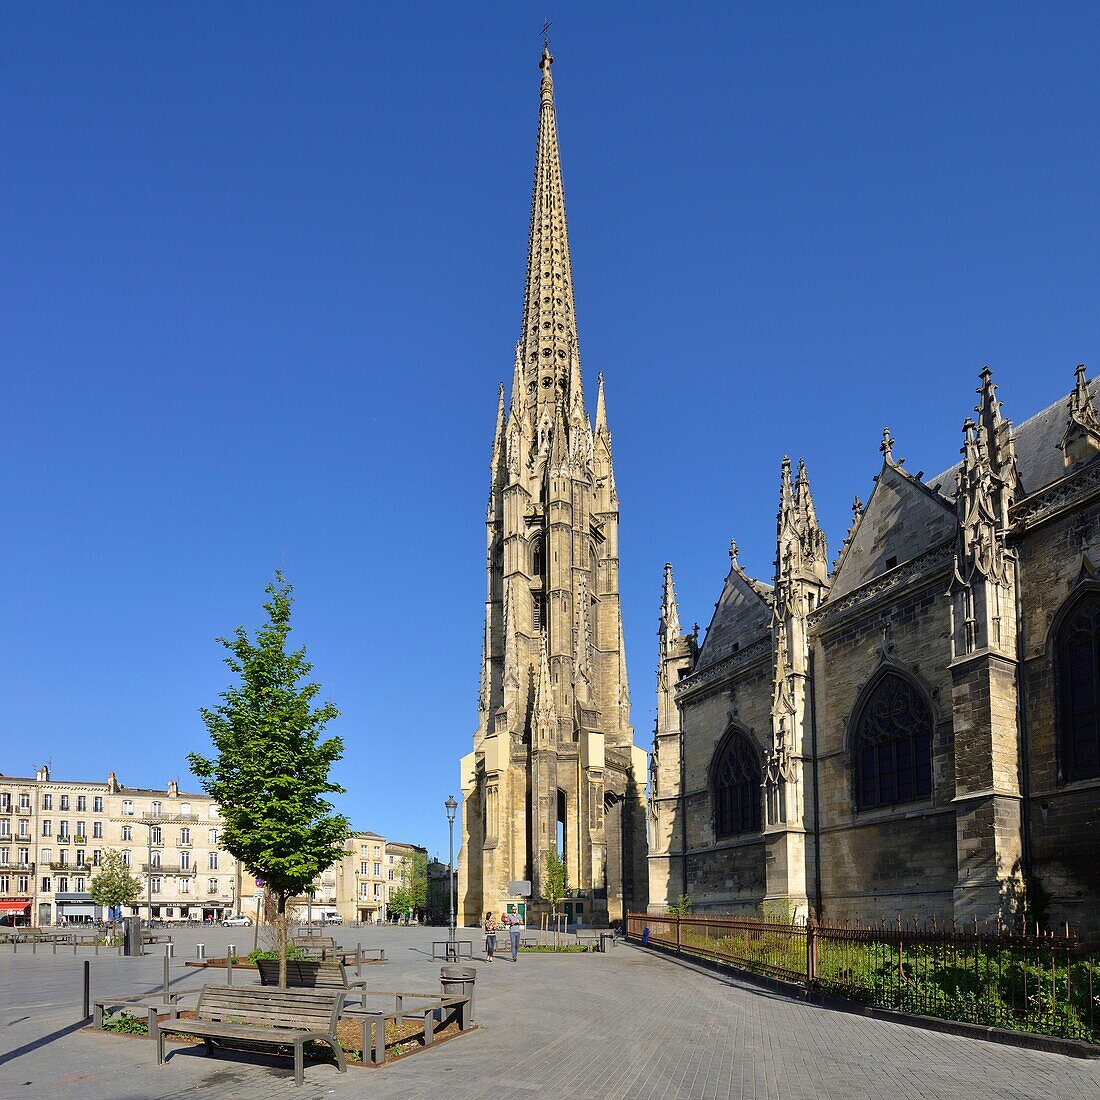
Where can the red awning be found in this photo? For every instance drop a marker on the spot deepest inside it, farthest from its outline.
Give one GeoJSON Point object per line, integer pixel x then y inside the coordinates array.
{"type": "Point", "coordinates": [14, 906]}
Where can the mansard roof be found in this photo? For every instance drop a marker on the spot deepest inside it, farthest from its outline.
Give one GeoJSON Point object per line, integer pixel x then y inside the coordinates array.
{"type": "Point", "coordinates": [1039, 458]}
{"type": "Point", "coordinates": [741, 615]}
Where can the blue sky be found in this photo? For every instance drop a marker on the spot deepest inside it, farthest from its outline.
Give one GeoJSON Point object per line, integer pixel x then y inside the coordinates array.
{"type": "Point", "coordinates": [262, 270]}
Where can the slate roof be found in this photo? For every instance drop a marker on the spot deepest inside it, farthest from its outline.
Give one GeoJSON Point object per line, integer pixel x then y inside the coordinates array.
{"type": "Point", "coordinates": [741, 616]}
{"type": "Point", "coordinates": [1039, 458]}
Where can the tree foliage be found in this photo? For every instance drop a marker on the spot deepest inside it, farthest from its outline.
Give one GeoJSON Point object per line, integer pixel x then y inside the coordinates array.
{"type": "Point", "coordinates": [113, 885]}
{"type": "Point", "coordinates": [270, 771]}
{"type": "Point", "coordinates": [553, 879]}
{"type": "Point", "coordinates": [412, 895]}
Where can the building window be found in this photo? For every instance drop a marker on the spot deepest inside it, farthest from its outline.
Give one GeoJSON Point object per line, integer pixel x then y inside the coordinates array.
{"type": "Point", "coordinates": [62, 885]}
{"type": "Point", "coordinates": [538, 562]}
{"type": "Point", "coordinates": [154, 860]}
{"type": "Point", "coordinates": [24, 857]}
{"type": "Point", "coordinates": [185, 886]}
{"type": "Point", "coordinates": [97, 804]}
{"type": "Point", "coordinates": [97, 856]}
{"type": "Point", "coordinates": [212, 836]}
{"type": "Point", "coordinates": [80, 886]}
{"type": "Point", "coordinates": [24, 884]}
{"type": "Point", "coordinates": [64, 802]}
{"type": "Point", "coordinates": [212, 886]}
{"type": "Point", "coordinates": [46, 886]}
{"type": "Point", "coordinates": [81, 803]}
{"type": "Point", "coordinates": [185, 836]}
{"type": "Point", "coordinates": [893, 745]}
{"type": "Point", "coordinates": [127, 806]}
{"type": "Point", "coordinates": [127, 832]}
{"type": "Point", "coordinates": [5, 884]}
{"type": "Point", "coordinates": [46, 855]}
{"type": "Point", "coordinates": [127, 859]}
{"type": "Point", "coordinates": [185, 809]}
{"type": "Point", "coordinates": [47, 801]}
{"type": "Point", "coordinates": [154, 885]}
{"type": "Point", "coordinates": [47, 828]}
{"type": "Point", "coordinates": [5, 827]}
{"type": "Point", "coordinates": [25, 801]}
{"type": "Point", "coordinates": [155, 809]}
{"type": "Point", "coordinates": [5, 802]}
{"type": "Point", "coordinates": [377, 870]}
{"type": "Point", "coordinates": [736, 787]}
{"type": "Point", "coordinates": [212, 861]}
{"type": "Point", "coordinates": [155, 835]}
{"type": "Point", "coordinates": [63, 830]}
{"type": "Point", "coordinates": [1077, 667]}
{"type": "Point", "coordinates": [97, 830]}
{"type": "Point", "coordinates": [185, 861]}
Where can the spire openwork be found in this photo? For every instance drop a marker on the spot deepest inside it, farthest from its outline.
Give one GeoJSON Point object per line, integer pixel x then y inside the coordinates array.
{"type": "Point", "coordinates": [548, 341]}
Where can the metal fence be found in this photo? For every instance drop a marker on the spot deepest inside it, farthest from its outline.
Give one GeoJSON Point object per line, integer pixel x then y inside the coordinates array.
{"type": "Point", "coordinates": [1041, 983]}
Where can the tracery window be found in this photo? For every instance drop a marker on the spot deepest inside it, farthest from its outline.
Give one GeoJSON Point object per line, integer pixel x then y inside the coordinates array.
{"type": "Point", "coordinates": [1077, 664]}
{"type": "Point", "coordinates": [893, 745]}
{"type": "Point", "coordinates": [736, 787]}
{"type": "Point", "coordinates": [537, 558]}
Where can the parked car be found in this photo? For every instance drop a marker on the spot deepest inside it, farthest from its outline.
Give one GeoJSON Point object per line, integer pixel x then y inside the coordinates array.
{"type": "Point", "coordinates": [239, 919]}
{"type": "Point", "coordinates": [332, 918]}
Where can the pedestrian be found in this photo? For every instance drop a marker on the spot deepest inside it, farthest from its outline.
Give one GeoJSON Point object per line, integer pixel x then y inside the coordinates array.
{"type": "Point", "coordinates": [515, 928]}
{"type": "Point", "coordinates": [490, 926]}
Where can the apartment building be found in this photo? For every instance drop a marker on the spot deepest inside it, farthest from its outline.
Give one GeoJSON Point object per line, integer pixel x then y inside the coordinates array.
{"type": "Point", "coordinates": [395, 852]}
{"type": "Point", "coordinates": [53, 835]}
{"type": "Point", "coordinates": [354, 887]}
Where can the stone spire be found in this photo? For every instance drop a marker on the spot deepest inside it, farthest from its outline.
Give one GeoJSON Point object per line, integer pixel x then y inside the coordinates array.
{"type": "Point", "coordinates": [498, 466]}
{"type": "Point", "coordinates": [549, 336]}
{"type": "Point", "coordinates": [669, 629]}
{"type": "Point", "coordinates": [544, 697]}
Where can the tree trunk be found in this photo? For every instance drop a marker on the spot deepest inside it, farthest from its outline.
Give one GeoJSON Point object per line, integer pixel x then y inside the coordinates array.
{"type": "Point", "coordinates": [282, 941]}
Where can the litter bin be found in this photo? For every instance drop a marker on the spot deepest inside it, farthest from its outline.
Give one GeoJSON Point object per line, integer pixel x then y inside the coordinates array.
{"type": "Point", "coordinates": [607, 941]}
{"type": "Point", "coordinates": [458, 981]}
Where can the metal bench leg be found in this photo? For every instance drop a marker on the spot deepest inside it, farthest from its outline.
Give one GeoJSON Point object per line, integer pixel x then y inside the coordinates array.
{"type": "Point", "coordinates": [299, 1059]}
{"type": "Point", "coordinates": [429, 1026]}
{"type": "Point", "coordinates": [160, 1047]}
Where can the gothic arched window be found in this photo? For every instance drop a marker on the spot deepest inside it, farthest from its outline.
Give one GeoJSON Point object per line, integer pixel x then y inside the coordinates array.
{"type": "Point", "coordinates": [1077, 665]}
{"type": "Point", "coordinates": [537, 557]}
{"type": "Point", "coordinates": [893, 745]}
{"type": "Point", "coordinates": [736, 785]}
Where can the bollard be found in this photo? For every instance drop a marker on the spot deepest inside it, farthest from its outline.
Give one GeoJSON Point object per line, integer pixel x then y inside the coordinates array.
{"type": "Point", "coordinates": [166, 976]}
{"type": "Point", "coordinates": [55, 947]}
{"type": "Point", "coordinates": [358, 958]}
{"type": "Point", "coordinates": [87, 988]}
{"type": "Point", "coordinates": [229, 965]}
{"type": "Point", "coordinates": [170, 950]}
{"type": "Point", "coordinates": [200, 951]}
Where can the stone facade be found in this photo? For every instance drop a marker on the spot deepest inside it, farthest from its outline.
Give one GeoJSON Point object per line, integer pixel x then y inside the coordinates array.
{"type": "Point", "coordinates": [53, 835]}
{"type": "Point", "coordinates": [554, 765]}
{"type": "Point", "coordinates": [913, 730]}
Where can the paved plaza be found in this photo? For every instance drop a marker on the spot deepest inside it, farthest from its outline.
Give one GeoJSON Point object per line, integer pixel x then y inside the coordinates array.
{"type": "Point", "coordinates": [627, 1024]}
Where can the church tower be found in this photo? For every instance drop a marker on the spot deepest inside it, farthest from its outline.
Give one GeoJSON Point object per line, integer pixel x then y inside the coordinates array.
{"type": "Point", "coordinates": [554, 766]}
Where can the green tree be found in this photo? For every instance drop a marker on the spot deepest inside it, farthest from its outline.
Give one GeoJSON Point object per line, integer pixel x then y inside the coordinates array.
{"type": "Point", "coordinates": [553, 879]}
{"type": "Point", "coordinates": [114, 885]}
{"type": "Point", "coordinates": [270, 774]}
{"type": "Point", "coordinates": [400, 902]}
{"type": "Point", "coordinates": [413, 868]}
{"type": "Point", "coordinates": [680, 907]}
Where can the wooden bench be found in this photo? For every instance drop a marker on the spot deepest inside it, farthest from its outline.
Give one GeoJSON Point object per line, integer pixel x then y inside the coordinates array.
{"type": "Point", "coordinates": [263, 1016]}
{"type": "Point", "coordinates": [155, 937]}
{"type": "Point", "coordinates": [588, 940]}
{"type": "Point", "coordinates": [435, 1007]}
{"type": "Point", "coordinates": [444, 949]}
{"type": "Point", "coordinates": [312, 974]}
{"type": "Point", "coordinates": [326, 945]}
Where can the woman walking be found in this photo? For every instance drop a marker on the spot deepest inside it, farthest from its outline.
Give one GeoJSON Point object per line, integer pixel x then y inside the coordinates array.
{"type": "Point", "coordinates": [490, 927]}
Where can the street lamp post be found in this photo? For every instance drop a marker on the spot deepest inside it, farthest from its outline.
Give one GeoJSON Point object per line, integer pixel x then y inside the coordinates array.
{"type": "Point", "coordinates": [451, 806]}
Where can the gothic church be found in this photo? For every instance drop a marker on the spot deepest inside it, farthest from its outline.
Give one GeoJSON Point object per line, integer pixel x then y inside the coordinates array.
{"type": "Point", "coordinates": [554, 766]}
{"type": "Point", "coordinates": [915, 730]}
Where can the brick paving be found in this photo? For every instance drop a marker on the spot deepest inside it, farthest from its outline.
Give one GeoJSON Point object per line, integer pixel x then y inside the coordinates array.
{"type": "Point", "coordinates": [624, 1025]}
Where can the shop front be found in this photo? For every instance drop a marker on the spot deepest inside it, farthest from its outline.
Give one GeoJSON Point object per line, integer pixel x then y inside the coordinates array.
{"type": "Point", "coordinates": [15, 912]}
{"type": "Point", "coordinates": [77, 909]}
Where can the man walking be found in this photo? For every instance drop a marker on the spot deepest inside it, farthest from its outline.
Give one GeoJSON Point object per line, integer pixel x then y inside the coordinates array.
{"type": "Point", "coordinates": [515, 929]}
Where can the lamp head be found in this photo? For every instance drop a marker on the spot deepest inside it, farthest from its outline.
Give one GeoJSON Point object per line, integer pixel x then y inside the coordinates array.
{"type": "Point", "coordinates": [451, 806]}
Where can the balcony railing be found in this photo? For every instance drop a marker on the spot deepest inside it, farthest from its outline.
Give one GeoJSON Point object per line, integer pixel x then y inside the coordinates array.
{"type": "Point", "coordinates": [25, 810]}
{"type": "Point", "coordinates": [20, 868]}
{"type": "Point", "coordinates": [79, 838]}
{"type": "Point", "coordinates": [166, 869]}
{"type": "Point", "coordinates": [65, 865]}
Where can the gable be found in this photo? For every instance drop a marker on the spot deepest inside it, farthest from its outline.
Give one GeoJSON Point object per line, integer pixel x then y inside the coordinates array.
{"type": "Point", "coordinates": [902, 520]}
{"type": "Point", "coordinates": [742, 615]}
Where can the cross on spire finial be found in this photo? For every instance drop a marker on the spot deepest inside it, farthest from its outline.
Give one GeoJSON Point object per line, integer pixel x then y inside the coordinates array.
{"type": "Point", "coordinates": [546, 34]}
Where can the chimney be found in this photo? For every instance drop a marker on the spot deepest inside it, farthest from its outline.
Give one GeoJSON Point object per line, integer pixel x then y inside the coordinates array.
{"type": "Point", "coordinates": [112, 783]}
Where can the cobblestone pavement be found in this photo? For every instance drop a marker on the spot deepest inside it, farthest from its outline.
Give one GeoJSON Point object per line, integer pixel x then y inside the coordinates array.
{"type": "Point", "coordinates": [623, 1025]}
